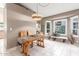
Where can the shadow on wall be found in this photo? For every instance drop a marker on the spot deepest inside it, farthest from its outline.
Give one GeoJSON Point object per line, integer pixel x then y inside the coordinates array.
{"type": "Point", "coordinates": [17, 26]}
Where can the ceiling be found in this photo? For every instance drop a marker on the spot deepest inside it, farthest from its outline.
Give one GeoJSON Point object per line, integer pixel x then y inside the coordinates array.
{"type": "Point", "coordinates": [52, 8]}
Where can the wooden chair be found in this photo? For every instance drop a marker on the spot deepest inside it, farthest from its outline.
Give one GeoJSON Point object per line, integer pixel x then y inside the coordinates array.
{"type": "Point", "coordinates": [40, 41]}
{"type": "Point", "coordinates": [71, 39]}
{"type": "Point", "coordinates": [22, 34]}
{"type": "Point", "coordinates": [49, 35]}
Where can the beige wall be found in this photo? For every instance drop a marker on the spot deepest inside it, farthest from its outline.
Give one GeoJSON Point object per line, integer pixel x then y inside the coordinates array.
{"type": "Point", "coordinates": [18, 19]}
{"type": "Point", "coordinates": [19, 9]}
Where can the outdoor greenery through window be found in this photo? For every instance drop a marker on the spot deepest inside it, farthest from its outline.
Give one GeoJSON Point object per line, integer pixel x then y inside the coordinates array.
{"type": "Point", "coordinates": [60, 26]}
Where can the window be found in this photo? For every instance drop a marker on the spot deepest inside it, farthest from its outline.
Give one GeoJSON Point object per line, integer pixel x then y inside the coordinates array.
{"type": "Point", "coordinates": [74, 25]}
{"type": "Point", "coordinates": [60, 26]}
{"type": "Point", "coordinates": [48, 27]}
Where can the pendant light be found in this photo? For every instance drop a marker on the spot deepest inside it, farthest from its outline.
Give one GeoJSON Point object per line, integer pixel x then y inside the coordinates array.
{"type": "Point", "coordinates": [36, 16]}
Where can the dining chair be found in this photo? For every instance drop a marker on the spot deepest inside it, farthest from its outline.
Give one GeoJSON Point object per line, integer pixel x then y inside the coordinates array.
{"type": "Point", "coordinates": [71, 39]}
{"type": "Point", "coordinates": [40, 40]}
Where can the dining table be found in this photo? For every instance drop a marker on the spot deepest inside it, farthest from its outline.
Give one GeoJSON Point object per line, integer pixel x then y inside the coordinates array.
{"type": "Point", "coordinates": [29, 43]}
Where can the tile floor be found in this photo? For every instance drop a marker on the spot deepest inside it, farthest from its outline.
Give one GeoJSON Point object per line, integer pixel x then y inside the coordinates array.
{"type": "Point", "coordinates": [52, 48]}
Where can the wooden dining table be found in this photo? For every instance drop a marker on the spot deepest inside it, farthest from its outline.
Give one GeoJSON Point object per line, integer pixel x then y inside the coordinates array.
{"type": "Point", "coordinates": [28, 43]}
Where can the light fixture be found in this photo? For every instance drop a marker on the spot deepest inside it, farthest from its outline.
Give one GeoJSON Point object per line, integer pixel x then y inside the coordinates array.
{"type": "Point", "coordinates": [36, 16]}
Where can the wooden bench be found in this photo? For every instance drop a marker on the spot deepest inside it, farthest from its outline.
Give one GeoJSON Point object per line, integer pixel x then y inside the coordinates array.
{"type": "Point", "coordinates": [59, 37]}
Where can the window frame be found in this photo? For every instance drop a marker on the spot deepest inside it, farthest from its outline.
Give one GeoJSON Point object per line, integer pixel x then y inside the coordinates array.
{"type": "Point", "coordinates": [71, 19]}
{"type": "Point", "coordinates": [46, 27]}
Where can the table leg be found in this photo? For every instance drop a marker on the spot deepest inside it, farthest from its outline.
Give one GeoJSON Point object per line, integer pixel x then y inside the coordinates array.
{"type": "Point", "coordinates": [31, 44]}
{"type": "Point", "coordinates": [54, 39]}
{"type": "Point", "coordinates": [49, 37]}
{"type": "Point", "coordinates": [64, 40]}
